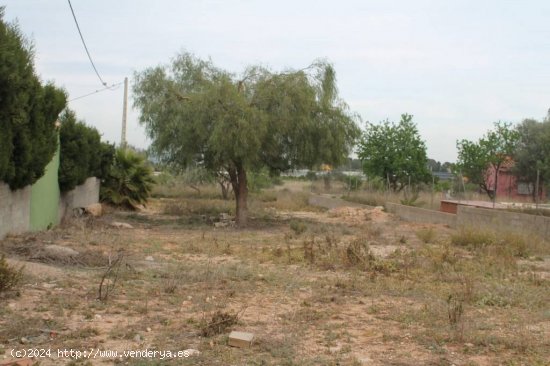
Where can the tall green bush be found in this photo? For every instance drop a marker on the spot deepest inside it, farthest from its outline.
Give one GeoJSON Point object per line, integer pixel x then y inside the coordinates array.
{"type": "Point", "coordinates": [258, 180]}
{"type": "Point", "coordinates": [83, 155]}
{"type": "Point", "coordinates": [28, 111]}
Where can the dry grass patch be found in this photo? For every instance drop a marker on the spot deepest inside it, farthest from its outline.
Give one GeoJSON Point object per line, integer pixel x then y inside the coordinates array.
{"type": "Point", "coordinates": [427, 235]}
{"type": "Point", "coordinates": [320, 290]}
{"type": "Point", "coordinates": [517, 245]}
{"type": "Point", "coordinates": [10, 277]}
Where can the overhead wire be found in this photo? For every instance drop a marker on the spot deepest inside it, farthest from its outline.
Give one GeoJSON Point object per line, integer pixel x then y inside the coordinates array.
{"type": "Point", "coordinates": [97, 91]}
{"type": "Point", "coordinates": [86, 47]}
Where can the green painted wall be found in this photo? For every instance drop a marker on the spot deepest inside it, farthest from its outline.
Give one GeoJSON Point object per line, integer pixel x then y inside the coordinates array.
{"type": "Point", "coordinates": [45, 197]}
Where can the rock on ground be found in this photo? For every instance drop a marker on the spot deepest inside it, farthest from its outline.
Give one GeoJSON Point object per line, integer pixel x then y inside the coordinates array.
{"type": "Point", "coordinates": [57, 251]}
{"type": "Point", "coordinates": [121, 225]}
{"type": "Point", "coordinates": [94, 210]}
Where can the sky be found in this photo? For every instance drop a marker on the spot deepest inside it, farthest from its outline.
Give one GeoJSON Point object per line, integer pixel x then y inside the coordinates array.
{"type": "Point", "coordinates": [458, 66]}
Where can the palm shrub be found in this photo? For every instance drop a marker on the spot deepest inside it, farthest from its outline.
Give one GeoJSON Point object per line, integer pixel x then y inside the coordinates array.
{"type": "Point", "coordinates": [130, 181]}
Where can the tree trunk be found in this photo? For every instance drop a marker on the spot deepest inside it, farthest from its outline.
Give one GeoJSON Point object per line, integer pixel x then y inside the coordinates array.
{"type": "Point", "coordinates": [225, 184]}
{"type": "Point", "coordinates": [497, 168]}
{"type": "Point", "coordinates": [484, 188]}
{"type": "Point", "coordinates": [240, 188]}
{"type": "Point", "coordinates": [225, 189]}
{"type": "Point", "coordinates": [195, 188]}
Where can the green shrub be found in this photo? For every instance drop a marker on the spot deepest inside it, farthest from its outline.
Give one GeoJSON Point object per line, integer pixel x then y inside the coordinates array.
{"type": "Point", "coordinates": [354, 182]}
{"type": "Point", "coordinates": [259, 180]}
{"type": "Point", "coordinates": [443, 186]}
{"type": "Point", "coordinates": [376, 184]}
{"type": "Point", "coordinates": [427, 235]}
{"type": "Point", "coordinates": [28, 111]}
{"type": "Point", "coordinates": [165, 178]}
{"type": "Point", "coordinates": [9, 276]}
{"type": "Point", "coordinates": [298, 227]}
{"type": "Point", "coordinates": [83, 155]}
{"type": "Point", "coordinates": [130, 181]}
{"type": "Point", "coordinates": [410, 199]}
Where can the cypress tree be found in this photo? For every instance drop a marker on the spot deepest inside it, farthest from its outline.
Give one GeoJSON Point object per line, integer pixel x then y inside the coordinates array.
{"type": "Point", "coordinates": [28, 111]}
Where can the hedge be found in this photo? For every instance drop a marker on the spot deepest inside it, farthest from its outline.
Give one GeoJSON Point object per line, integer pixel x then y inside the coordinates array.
{"type": "Point", "coordinates": [83, 154]}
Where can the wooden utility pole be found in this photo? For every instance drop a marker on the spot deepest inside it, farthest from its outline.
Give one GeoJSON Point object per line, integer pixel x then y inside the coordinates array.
{"type": "Point", "coordinates": [124, 108]}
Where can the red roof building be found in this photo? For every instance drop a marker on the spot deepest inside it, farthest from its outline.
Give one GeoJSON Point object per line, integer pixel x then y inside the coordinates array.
{"type": "Point", "coordinates": [508, 186]}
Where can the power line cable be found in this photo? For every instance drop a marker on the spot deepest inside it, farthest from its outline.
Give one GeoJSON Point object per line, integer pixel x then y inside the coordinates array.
{"type": "Point", "coordinates": [97, 91]}
{"type": "Point", "coordinates": [85, 47]}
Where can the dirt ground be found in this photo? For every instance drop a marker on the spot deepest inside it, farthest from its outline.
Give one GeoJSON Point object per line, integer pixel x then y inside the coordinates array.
{"type": "Point", "coordinates": [343, 286]}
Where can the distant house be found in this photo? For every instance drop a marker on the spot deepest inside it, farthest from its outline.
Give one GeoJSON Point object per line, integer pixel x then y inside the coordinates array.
{"type": "Point", "coordinates": [508, 186]}
{"type": "Point", "coordinates": [444, 176]}
{"type": "Point", "coordinates": [296, 173]}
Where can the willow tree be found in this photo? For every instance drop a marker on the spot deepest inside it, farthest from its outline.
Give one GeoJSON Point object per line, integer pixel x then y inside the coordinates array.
{"type": "Point", "coordinates": [198, 114]}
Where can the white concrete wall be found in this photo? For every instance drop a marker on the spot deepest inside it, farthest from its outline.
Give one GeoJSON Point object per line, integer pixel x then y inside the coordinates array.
{"type": "Point", "coordinates": [482, 218]}
{"type": "Point", "coordinates": [15, 210]}
{"type": "Point", "coordinates": [81, 196]}
{"type": "Point", "coordinates": [503, 221]}
{"type": "Point", "coordinates": [417, 214]}
{"type": "Point", "coordinates": [15, 206]}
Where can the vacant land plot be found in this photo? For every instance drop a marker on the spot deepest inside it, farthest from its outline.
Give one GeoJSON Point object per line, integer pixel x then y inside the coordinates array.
{"type": "Point", "coordinates": [346, 286]}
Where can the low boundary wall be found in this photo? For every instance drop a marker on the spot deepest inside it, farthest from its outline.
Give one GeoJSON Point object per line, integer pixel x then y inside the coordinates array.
{"type": "Point", "coordinates": [16, 207]}
{"type": "Point", "coordinates": [503, 220]}
{"type": "Point", "coordinates": [491, 219]}
{"type": "Point", "coordinates": [83, 195]}
{"type": "Point", "coordinates": [417, 214]}
{"type": "Point", "coordinates": [15, 210]}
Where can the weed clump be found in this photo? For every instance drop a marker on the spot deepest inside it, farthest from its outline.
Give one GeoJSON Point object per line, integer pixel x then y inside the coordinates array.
{"type": "Point", "coordinates": [218, 323]}
{"type": "Point", "coordinates": [175, 208]}
{"type": "Point", "coordinates": [358, 254]}
{"type": "Point", "coordinates": [505, 244]}
{"type": "Point", "coordinates": [472, 239]}
{"type": "Point", "coordinates": [10, 276]}
{"type": "Point", "coordinates": [455, 310]}
{"type": "Point", "coordinates": [298, 227]}
{"type": "Point", "coordinates": [427, 235]}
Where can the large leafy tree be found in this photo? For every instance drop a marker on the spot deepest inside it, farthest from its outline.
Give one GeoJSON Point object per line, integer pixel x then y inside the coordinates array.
{"type": "Point", "coordinates": [491, 151]}
{"type": "Point", "coordinates": [394, 153]}
{"type": "Point", "coordinates": [28, 111]}
{"type": "Point", "coordinates": [532, 155]}
{"type": "Point", "coordinates": [196, 113]}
